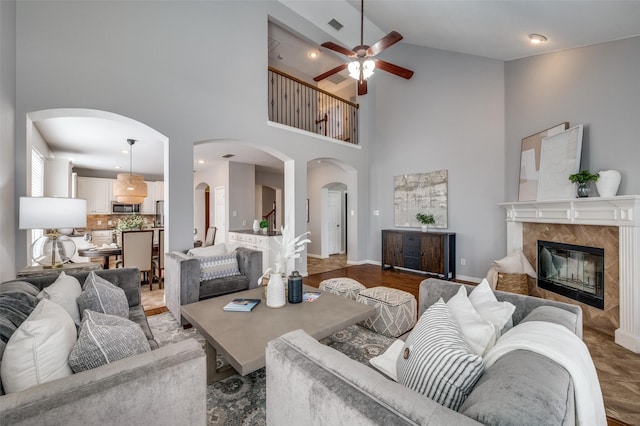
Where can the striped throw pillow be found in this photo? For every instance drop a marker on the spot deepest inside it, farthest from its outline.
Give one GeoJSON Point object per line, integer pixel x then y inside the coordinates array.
{"type": "Point", "coordinates": [213, 267]}
{"type": "Point", "coordinates": [436, 361]}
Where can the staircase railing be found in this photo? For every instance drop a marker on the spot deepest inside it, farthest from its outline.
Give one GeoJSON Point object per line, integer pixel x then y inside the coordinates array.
{"type": "Point", "coordinates": [298, 104]}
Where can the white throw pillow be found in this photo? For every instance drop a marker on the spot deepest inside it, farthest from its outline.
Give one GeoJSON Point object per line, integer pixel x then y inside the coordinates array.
{"type": "Point", "coordinates": [214, 250]}
{"type": "Point", "coordinates": [436, 361]}
{"type": "Point", "coordinates": [489, 308]}
{"type": "Point", "coordinates": [64, 291]}
{"type": "Point", "coordinates": [515, 263]}
{"type": "Point", "coordinates": [38, 350]}
{"type": "Point", "coordinates": [387, 362]}
{"type": "Point", "coordinates": [479, 333]}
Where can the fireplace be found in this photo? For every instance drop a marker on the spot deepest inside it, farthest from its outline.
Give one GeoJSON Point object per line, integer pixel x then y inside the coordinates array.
{"type": "Point", "coordinates": [609, 222]}
{"type": "Point", "coordinates": [573, 271]}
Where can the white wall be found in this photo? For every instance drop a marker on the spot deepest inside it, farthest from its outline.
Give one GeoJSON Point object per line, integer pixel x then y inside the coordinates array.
{"type": "Point", "coordinates": [597, 86]}
{"type": "Point", "coordinates": [450, 115]}
{"type": "Point", "coordinates": [216, 175]}
{"type": "Point", "coordinates": [170, 75]}
{"type": "Point", "coordinates": [319, 177]}
{"type": "Point", "coordinates": [241, 198]}
{"type": "Point", "coordinates": [8, 212]}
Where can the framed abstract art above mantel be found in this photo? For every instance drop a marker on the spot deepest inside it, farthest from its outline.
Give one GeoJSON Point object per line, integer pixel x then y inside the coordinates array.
{"type": "Point", "coordinates": [530, 161]}
{"type": "Point", "coordinates": [420, 193]}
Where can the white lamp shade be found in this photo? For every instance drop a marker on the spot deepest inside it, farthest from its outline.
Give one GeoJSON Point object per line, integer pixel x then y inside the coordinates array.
{"type": "Point", "coordinates": [52, 213]}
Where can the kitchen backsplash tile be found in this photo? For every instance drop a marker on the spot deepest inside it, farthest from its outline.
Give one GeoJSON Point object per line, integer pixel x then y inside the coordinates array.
{"type": "Point", "coordinates": [109, 221]}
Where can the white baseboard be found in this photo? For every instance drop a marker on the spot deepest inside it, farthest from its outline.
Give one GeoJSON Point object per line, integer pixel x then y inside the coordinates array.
{"type": "Point", "coordinates": [315, 256]}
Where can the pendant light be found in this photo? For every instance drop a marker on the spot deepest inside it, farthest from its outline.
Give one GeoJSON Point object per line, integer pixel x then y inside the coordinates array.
{"type": "Point", "coordinates": [129, 188]}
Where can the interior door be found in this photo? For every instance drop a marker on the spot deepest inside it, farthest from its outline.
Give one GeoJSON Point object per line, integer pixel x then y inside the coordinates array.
{"type": "Point", "coordinates": [220, 207]}
{"type": "Point", "coordinates": [334, 221]}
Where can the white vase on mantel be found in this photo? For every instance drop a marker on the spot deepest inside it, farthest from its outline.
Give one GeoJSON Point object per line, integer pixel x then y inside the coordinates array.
{"type": "Point", "coordinates": [256, 226]}
{"type": "Point", "coordinates": [608, 183]}
{"type": "Point", "coordinates": [276, 297]}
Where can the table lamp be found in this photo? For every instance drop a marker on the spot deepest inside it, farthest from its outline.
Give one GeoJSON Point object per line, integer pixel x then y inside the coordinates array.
{"type": "Point", "coordinates": [53, 249]}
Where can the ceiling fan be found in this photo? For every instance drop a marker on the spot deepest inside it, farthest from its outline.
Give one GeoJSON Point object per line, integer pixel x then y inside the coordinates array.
{"type": "Point", "coordinates": [363, 63]}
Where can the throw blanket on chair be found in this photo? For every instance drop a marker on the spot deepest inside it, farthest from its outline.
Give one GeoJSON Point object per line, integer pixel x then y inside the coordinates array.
{"type": "Point", "coordinates": [562, 346]}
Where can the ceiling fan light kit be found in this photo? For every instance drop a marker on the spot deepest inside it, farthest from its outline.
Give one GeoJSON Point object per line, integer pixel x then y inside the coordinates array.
{"type": "Point", "coordinates": [363, 64]}
{"type": "Point", "coordinates": [129, 188]}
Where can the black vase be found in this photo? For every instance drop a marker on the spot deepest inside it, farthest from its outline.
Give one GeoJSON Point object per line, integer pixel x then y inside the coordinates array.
{"type": "Point", "coordinates": [294, 283]}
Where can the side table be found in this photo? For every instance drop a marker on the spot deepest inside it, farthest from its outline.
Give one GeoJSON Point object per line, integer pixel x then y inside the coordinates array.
{"type": "Point", "coordinates": [39, 271]}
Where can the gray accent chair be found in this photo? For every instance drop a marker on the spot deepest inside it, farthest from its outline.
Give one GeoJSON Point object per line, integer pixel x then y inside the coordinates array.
{"type": "Point", "coordinates": [307, 380]}
{"type": "Point", "coordinates": [183, 286]}
{"type": "Point", "coordinates": [171, 378]}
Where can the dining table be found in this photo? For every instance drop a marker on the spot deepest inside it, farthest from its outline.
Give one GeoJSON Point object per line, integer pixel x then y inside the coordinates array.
{"type": "Point", "coordinates": [105, 252]}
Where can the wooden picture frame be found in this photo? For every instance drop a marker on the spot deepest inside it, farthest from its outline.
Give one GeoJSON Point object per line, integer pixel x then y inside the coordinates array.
{"type": "Point", "coordinates": [530, 151]}
{"type": "Point", "coordinates": [560, 158]}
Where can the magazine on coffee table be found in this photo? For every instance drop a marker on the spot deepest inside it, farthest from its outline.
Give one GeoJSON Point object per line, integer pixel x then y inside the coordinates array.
{"type": "Point", "coordinates": [311, 296]}
{"type": "Point", "coordinates": [241, 305]}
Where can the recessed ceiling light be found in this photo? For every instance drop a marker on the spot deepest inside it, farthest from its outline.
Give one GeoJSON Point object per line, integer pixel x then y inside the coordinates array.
{"type": "Point", "coordinates": [200, 161]}
{"type": "Point", "coordinates": [537, 38]}
{"type": "Point", "coordinates": [313, 54]}
{"type": "Point", "coordinates": [117, 167]}
{"type": "Point", "coordinates": [124, 151]}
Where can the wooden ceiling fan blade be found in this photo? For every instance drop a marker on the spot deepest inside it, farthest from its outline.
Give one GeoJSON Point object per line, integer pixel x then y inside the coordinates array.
{"type": "Point", "coordinates": [393, 69]}
{"type": "Point", "coordinates": [362, 87]}
{"type": "Point", "coordinates": [387, 41]}
{"type": "Point", "coordinates": [337, 48]}
{"type": "Point", "coordinates": [330, 72]}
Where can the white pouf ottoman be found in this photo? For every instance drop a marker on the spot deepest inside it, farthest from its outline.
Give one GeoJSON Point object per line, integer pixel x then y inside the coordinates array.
{"type": "Point", "coordinates": [396, 310]}
{"type": "Point", "coordinates": [345, 287]}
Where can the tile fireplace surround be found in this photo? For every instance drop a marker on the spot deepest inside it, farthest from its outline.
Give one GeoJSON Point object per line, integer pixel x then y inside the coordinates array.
{"type": "Point", "coordinates": [622, 212]}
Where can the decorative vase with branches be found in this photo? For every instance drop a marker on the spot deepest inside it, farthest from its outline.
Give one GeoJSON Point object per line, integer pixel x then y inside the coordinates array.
{"type": "Point", "coordinates": [285, 247]}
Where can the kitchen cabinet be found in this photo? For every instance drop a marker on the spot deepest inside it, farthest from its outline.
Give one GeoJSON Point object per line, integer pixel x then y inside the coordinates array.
{"type": "Point", "coordinates": [431, 252]}
{"type": "Point", "coordinates": [97, 192]}
{"type": "Point", "coordinates": [155, 192]}
{"type": "Point", "coordinates": [258, 242]}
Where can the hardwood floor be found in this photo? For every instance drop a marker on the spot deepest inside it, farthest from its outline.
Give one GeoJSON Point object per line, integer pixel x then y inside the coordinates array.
{"type": "Point", "coordinates": [618, 368]}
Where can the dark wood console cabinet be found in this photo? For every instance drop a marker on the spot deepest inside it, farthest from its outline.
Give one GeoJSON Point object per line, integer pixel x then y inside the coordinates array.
{"type": "Point", "coordinates": [431, 252]}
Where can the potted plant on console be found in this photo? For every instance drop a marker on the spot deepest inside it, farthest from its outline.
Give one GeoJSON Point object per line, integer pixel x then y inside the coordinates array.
{"type": "Point", "coordinates": [582, 179]}
{"type": "Point", "coordinates": [425, 220]}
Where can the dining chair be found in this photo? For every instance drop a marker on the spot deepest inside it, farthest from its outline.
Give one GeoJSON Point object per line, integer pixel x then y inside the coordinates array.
{"type": "Point", "coordinates": [137, 252]}
{"type": "Point", "coordinates": [210, 238]}
{"type": "Point", "coordinates": [158, 260]}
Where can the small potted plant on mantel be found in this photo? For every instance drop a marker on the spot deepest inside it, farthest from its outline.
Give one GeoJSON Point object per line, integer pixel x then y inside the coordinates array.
{"type": "Point", "coordinates": [425, 220]}
{"type": "Point", "coordinates": [582, 179]}
{"type": "Point", "coordinates": [264, 226]}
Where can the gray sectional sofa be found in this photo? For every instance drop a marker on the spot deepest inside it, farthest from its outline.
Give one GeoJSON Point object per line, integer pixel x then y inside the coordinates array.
{"type": "Point", "coordinates": [164, 386]}
{"type": "Point", "coordinates": [307, 380]}
{"type": "Point", "coordinates": [183, 285]}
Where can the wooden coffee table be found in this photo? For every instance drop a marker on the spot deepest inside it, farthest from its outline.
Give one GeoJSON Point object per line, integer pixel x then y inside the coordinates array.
{"type": "Point", "coordinates": [241, 337]}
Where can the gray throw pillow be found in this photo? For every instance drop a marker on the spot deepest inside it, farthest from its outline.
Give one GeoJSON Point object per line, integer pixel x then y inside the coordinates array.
{"type": "Point", "coordinates": [104, 339]}
{"type": "Point", "coordinates": [99, 295]}
{"type": "Point", "coordinates": [19, 287]}
{"type": "Point", "coordinates": [14, 309]}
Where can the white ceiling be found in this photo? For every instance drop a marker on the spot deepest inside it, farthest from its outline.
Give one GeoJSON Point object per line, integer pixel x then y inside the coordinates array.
{"type": "Point", "coordinates": [493, 29]}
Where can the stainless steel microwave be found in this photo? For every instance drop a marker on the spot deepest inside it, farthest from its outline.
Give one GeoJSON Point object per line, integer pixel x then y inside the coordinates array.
{"type": "Point", "coordinates": [124, 208]}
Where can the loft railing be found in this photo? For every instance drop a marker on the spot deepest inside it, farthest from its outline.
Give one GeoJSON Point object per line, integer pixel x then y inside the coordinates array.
{"type": "Point", "coordinates": [298, 104]}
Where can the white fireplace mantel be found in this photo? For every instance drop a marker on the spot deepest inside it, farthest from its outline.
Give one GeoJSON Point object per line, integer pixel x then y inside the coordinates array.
{"type": "Point", "coordinates": [623, 212]}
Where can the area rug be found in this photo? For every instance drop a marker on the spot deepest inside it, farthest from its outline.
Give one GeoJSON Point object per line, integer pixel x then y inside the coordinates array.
{"type": "Point", "coordinates": [239, 400]}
